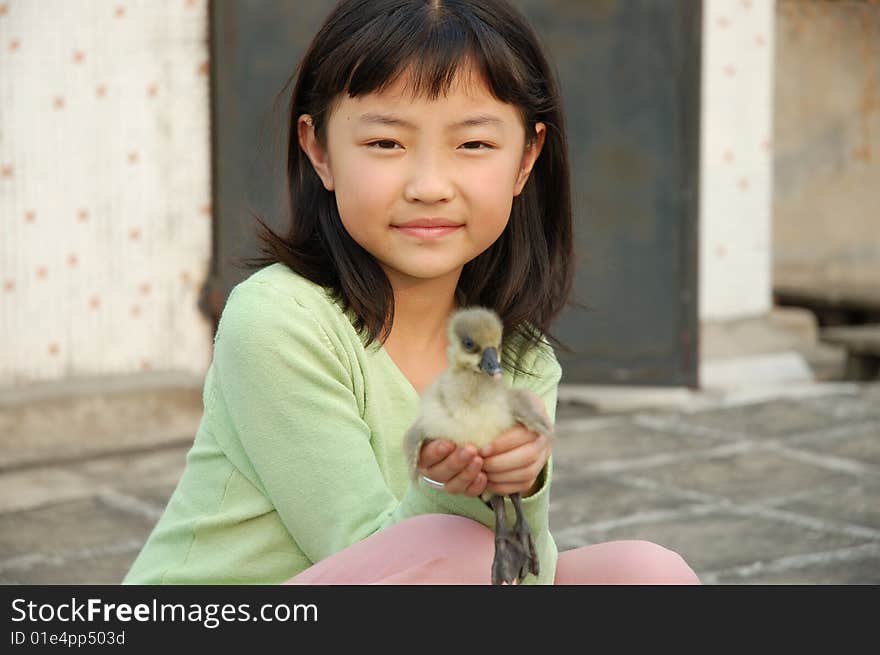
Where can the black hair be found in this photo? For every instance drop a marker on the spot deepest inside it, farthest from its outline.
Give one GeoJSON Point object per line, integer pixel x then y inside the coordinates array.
{"type": "Point", "coordinates": [363, 47]}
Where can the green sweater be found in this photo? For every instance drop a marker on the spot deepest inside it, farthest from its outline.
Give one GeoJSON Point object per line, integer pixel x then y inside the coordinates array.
{"type": "Point", "coordinates": [299, 452]}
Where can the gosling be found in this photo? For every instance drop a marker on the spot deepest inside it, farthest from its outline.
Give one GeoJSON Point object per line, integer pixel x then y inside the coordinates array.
{"type": "Point", "coordinates": [469, 403]}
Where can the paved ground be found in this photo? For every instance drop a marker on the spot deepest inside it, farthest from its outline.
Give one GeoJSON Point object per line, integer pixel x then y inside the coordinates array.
{"type": "Point", "coordinates": [779, 490]}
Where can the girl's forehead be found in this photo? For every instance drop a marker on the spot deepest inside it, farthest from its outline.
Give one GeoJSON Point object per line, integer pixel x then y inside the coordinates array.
{"type": "Point", "coordinates": [468, 92]}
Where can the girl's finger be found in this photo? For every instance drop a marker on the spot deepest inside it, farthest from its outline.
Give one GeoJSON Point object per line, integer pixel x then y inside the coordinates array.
{"type": "Point", "coordinates": [452, 464]}
{"type": "Point", "coordinates": [465, 478]}
{"type": "Point", "coordinates": [508, 440]}
{"type": "Point", "coordinates": [477, 486]}
{"type": "Point", "coordinates": [434, 452]}
{"type": "Point", "coordinates": [520, 457]}
{"type": "Point", "coordinates": [516, 476]}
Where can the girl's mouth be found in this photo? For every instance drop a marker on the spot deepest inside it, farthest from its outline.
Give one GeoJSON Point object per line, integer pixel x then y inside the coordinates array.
{"type": "Point", "coordinates": [428, 232]}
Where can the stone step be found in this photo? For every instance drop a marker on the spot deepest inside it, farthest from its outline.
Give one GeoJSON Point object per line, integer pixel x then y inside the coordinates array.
{"type": "Point", "coordinates": [862, 344]}
{"type": "Point", "coordinates": [74, 419]}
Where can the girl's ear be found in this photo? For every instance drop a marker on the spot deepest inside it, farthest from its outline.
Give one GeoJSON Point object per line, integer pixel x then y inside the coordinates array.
{"type": "Point", "coordinates": [530, 157]}
{"type": "Point", "coordinates": [314, 151]}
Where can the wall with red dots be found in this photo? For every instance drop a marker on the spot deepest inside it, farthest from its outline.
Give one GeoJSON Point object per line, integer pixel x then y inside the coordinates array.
{"type": "Point", "coordinates": [104, 187]}
{"type": "Point", "coordinates": [736, 171]}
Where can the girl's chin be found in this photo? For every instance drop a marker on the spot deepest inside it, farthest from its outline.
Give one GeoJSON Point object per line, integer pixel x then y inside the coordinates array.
{"type": "Point", "coordinates": [423, 270]}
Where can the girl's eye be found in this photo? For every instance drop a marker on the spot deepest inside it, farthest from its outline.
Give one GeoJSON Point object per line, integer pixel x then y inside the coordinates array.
{"type": "Point", "coordinates": [478, 143]}
{"type": "Point", "coordinates": [376, 143]}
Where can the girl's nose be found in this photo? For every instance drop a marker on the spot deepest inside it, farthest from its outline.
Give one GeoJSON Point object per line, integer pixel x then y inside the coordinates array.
{"type": "Point", "coordinates": [429, 181]}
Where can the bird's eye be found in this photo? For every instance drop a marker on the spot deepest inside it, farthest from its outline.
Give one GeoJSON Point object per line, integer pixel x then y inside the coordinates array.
{"type": "Point", "coordinates": [468, 344]}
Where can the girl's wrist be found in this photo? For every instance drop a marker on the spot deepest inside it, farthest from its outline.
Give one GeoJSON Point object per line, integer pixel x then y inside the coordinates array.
{"type": "Point", "coordinates": [533, 489]}
{"type": "Point", "coordinates": [537, 484]}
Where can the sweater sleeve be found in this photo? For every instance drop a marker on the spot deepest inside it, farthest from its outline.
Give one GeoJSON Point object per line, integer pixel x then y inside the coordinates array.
{"type": "Point", "coordinates": [291, 401]}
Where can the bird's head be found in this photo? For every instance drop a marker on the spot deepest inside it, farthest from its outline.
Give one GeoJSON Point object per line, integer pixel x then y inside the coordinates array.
{"type": "Point", "coordinates": [475, 341]}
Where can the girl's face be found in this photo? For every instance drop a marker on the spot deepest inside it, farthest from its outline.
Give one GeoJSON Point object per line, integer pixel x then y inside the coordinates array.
{"type": "Point", "coordinates": [392, 160]}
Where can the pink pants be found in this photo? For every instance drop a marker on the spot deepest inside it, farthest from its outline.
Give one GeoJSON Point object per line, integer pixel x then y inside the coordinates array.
{"type": "Point", "coordinates": [447, 549]}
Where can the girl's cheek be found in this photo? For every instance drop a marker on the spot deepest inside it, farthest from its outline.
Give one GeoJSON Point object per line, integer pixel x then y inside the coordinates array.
{"type": "Point", "coordinates": [493, 185]}
{"type": "Point", "coordinates": [493, 212]}
{"type": "Point", "coordinates": [360, 193]}
{"type": "Point", "coordinates": [369, 176]}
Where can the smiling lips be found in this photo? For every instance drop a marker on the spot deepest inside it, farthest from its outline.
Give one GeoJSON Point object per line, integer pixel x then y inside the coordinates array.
{"type": "Point", "coordinates": [428, 228]}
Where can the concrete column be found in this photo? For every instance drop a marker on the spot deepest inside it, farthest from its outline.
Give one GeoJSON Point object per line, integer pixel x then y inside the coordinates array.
{"type": "Point", "coordinates": [736, 164]}
{"type": "Point", "coordinates": [745, 341]}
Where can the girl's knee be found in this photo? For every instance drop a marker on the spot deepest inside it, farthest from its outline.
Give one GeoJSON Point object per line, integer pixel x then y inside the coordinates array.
{"type": "Point", "coordinates": [624, 562]}
{"type": "Point", "coordinates": [654, 564]}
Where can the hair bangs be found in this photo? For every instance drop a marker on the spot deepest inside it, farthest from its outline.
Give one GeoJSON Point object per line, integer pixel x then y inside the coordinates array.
{"type": "Point", "coordinates": [431, 48]}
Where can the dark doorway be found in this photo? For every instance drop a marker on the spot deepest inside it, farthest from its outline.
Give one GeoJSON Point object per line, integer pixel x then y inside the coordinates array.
{"type": "Point", "coordinates": [630, 75]}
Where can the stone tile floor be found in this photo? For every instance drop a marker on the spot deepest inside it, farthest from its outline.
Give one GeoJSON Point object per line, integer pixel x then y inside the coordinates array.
{"type": "Point", "coordinates": [781, 491]}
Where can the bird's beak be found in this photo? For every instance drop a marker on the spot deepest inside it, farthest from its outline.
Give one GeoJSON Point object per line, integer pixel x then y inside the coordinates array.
{"type": "Point", "coordinates": [489, 363]}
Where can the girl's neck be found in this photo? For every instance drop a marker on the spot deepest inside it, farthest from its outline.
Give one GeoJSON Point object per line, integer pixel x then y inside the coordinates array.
{"type": "Point", "coordinates": [421, 311]}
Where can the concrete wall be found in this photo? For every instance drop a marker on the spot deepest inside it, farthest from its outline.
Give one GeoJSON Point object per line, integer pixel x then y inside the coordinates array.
{"type": "Point", "coordinates": [826, 229]}
{"type": "Point", "coordinates": [105, 213]}
{"type": "Point", "coordinates": [736, 158]}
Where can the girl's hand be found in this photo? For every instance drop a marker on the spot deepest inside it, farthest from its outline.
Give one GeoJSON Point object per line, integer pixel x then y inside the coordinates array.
{"type": "Point", "coordinates": [458, 468]}
{"type": "Point", "coordinates": [515, 459]}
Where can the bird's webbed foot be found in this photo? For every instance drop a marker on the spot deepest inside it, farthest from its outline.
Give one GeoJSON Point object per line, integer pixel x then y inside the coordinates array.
{"type": "Point", "coordinates": [524, 537]}
{"type": "Point", "coordinates": [510, 559]}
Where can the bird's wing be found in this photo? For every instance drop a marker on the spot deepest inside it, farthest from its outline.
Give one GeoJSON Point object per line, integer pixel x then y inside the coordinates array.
{"type": "Point", "coordinates": [526, 411]}
{"type": "Point", "coordinates": [412, 445]}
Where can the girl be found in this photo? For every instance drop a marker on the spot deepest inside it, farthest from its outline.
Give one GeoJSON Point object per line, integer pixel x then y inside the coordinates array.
{"type": "Point", "coordinates": [428, 170]}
